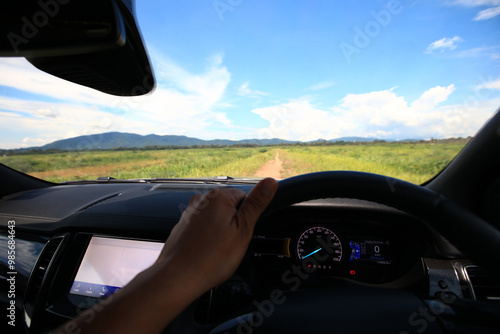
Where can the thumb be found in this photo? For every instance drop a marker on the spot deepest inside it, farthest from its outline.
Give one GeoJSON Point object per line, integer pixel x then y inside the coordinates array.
{"type": "Point", "coordinates": [256, 202]}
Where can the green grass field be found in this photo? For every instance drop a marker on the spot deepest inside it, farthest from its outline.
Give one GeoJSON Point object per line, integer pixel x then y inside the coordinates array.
{"type": "Point", "coordinates": [414, 162]}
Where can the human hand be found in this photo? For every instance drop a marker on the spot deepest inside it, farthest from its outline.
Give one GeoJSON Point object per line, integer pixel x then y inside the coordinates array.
{"type": "Point", "coordinates": [212, 236]}
{"type": "Point", "coordinates": [203, 250]}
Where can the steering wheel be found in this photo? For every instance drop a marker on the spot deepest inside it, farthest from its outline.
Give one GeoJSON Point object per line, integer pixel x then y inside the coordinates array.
{"type": "Point", "coordinates": [363, 309]}
{"type": "Point", "coordinates": [458, 225]}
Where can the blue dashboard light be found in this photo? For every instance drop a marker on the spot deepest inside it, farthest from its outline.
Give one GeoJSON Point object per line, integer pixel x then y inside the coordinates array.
{"type": "Point", "coordinates": [355, 250]}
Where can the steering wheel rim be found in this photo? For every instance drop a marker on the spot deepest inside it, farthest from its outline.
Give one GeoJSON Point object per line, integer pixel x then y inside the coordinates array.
{"type": "Point", "coordinates": [393, 307]}
{"type": "Point", "coordinates": [454, 222]}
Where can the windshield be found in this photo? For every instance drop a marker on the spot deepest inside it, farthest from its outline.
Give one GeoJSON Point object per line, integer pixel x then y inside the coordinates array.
{"type": "Point", "coordinates": [269, 88]}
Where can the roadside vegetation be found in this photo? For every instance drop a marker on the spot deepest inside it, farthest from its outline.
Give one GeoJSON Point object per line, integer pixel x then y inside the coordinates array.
{"type": "Point", "coordinates": [175, 163]}
{"type": "Point", "coordinates": [412, 161]}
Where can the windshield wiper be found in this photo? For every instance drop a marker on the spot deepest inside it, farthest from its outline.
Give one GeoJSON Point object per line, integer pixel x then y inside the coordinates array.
{"type": "Point", "coordinates": [216, 179]}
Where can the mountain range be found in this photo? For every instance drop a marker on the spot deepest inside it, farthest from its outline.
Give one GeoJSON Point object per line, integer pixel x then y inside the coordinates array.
{"type": "Point", "coordinates": [112, 140]}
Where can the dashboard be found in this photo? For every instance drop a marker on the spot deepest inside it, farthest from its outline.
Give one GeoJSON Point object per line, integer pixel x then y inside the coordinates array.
{"type": "Point", "coordinates": [98, 237]}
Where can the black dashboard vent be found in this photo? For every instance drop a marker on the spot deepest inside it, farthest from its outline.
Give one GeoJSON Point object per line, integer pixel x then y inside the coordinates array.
{"type": "Point", "coordinates": [39, 272]}
{"type": "Point", "coordinates": [484, 286]}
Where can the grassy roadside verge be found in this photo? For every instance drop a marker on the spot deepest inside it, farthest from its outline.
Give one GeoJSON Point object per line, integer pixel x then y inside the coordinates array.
{"type": "Point", "coordinates": [57, 167]}
{"type": "Point", "coordinates": [414, 162]}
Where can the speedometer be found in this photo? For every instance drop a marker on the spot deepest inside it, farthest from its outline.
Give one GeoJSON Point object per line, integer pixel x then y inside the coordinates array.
{"type": "Point", "coordinates": [320, 246]}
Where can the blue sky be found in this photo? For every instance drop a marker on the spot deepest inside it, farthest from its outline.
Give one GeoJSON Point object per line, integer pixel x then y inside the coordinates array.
{"type": "Point", "coordinates": [240, 69]}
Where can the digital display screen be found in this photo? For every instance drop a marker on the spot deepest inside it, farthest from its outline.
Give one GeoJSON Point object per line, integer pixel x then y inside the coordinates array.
{"type": "Point", "coordinates": [109, 264]}
{"type": "Point", "coordinates": [378, 251]}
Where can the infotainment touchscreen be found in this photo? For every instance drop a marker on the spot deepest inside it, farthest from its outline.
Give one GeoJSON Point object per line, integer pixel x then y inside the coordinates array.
{"type": "Point", "coordinates": [109, 264]}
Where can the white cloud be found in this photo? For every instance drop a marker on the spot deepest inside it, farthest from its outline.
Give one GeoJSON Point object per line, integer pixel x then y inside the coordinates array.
{"type": "Point", "coordinates": [207, 88]}
{"type": "Point", "coordinates": [379, 114]}
{"type": "Point", "coordinates": [19, 74]}
{"type": "Point", "coordinates": [44, 122]}
{"type": "Point", "coordinates": [183, 103]}
{"type": "Point", "coordinates": [431, 98]}
{"type": "Point", "coordinates": [487, 14]}
{"type": "Point", "coordinates": [491, 51]}
{"type": "Point", "coordinates": [243, 90]}
{"type": "Point", "coordinates": [492, 11]}
{"type": "Point", "coordinates": [443, 44]}
{"type": "Point", "coordinates": [491, 85]}
{"type": "Point", "coordinates": [30, 142]}
{"type": "Point", "coordinates": [47, 112]}
{"type": "Point", "coordinates": [295, 120]}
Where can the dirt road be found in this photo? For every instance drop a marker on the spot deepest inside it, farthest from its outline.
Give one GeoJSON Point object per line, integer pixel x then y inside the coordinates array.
{"type": "Point", "coordinates": [272, 168]}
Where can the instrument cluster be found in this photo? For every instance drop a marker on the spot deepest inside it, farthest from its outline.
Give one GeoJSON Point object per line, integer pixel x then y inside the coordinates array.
{"type": "Point", "coordinates": [362, 250]}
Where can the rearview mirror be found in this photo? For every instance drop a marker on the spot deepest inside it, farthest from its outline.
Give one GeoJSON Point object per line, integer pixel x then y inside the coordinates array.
{"type": "Point", "coordinates": [94, 43]}
{"type": "Point", "coordinates": [40, 28]}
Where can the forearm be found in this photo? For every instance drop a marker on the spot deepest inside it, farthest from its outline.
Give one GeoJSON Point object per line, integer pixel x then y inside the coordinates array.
{"type": "Point", "coordinates": [146, 305]}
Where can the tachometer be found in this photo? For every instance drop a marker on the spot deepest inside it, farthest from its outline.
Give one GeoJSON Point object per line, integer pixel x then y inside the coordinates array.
{"type": "Point", "coordinates": [320, 246]}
